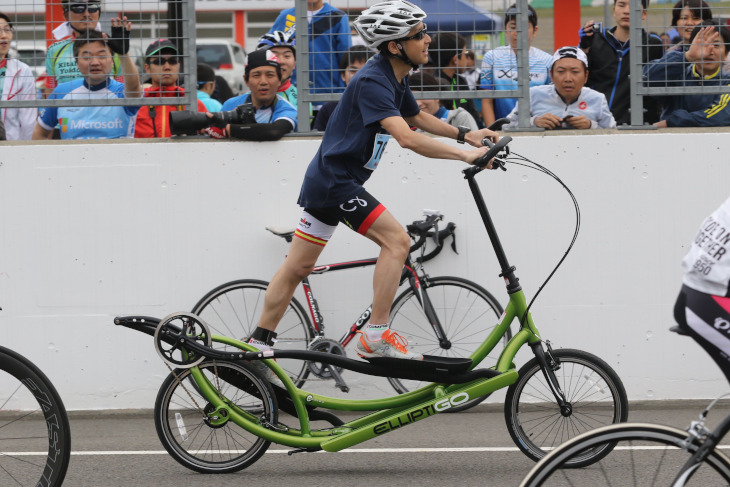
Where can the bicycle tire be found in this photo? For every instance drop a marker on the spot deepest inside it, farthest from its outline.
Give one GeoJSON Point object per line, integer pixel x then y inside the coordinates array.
{"type": "Point", "coordinates": [186, 432]}
{"type": "Point", "coordinates": [643, 454]}
{"type": "Point", "coordinates": [468, 313]}
{"type": "Point", "coordinates": [594, 390]}
{"type": "Point", "coordinates": [233, 309]}
{"type": "Point", "coordinates": [32, 419]}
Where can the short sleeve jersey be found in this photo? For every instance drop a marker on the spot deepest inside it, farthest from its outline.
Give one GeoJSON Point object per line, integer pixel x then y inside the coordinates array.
{"type": "Point", "coordinates": [499, 72]}
{"type": "Point", "coordinates": [102, 122]}
{"type": "Point", "coordinates": [707, 264]}
{"type": "Point", "coordinates": [281, 110]}
{"type": "Point", "coordinates": [61, 64]}
{"type": "Point", "coordinates": [354, 140]}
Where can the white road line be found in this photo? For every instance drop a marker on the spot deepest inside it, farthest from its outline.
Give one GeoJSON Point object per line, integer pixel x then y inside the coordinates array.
{"type": "Point", "coordinates": [495, 449]}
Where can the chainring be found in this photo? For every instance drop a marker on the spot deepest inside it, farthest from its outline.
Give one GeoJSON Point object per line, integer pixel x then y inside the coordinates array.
{"type": "Point", "coordinates": [170, 337]}
{"type": "Point", "coordinates": [328, 346]}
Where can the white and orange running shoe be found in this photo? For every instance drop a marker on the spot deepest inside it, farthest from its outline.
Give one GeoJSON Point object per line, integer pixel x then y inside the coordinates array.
{"type": "Point", "coordinates": [391, 345]}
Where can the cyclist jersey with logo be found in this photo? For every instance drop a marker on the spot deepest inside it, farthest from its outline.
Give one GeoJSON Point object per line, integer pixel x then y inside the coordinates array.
{"type": "Point", "coordinates": [102, 122]}
{"type": "Point", "coordinates": [354, 141]}
{"type": "Point", "coordinates": [499, 72]}
{"type": "Point", "coordinates": [61, 64]}
{"type": "Point", "coordinates": [281, 110]}
{"type": "Point", "coordinates": [707, 264]}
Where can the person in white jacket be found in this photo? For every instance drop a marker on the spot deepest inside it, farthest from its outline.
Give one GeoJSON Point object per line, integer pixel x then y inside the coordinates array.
{"type": "Point", "coordinates": [16, 83]}
{"type": "Point", "coordinates": [567, 102]}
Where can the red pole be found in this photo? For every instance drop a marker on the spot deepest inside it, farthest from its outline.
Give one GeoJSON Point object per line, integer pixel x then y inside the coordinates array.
{"type": "Point", "coordinates": [566, 20]}
{"type": "Point", "coordinates": [54, 17]}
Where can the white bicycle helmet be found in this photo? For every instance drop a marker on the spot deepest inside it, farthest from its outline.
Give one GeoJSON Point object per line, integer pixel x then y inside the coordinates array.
{"type": "Point", "coordinates": [277, 39]}
{"type": "Point", "coordinates": [388, 21]}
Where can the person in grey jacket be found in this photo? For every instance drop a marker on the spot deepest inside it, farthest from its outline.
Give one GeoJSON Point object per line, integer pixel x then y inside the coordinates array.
{"type": "Point", "coordinates": [567, 102]}
{"type": "Point", "coordinates": [459, 117]}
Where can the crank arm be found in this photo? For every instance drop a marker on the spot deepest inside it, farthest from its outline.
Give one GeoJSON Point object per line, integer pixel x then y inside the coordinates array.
{"type": "Point", "coordinates": [339, 382]}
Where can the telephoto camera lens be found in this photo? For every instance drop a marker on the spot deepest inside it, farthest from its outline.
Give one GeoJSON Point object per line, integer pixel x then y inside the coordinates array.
{"type": "Point", "coordinates": [189, 122]}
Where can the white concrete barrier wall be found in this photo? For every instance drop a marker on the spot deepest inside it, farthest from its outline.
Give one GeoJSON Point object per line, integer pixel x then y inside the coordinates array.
{"type": "Point", "coordinates": [89, 232]}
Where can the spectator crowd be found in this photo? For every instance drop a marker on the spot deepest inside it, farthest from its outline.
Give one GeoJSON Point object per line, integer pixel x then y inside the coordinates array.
{"type": "Point", "coordinates": [584, 86]}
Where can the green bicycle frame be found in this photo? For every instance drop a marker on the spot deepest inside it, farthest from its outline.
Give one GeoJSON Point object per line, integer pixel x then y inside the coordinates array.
{"type": "Point", "coordinates": [389, 413]}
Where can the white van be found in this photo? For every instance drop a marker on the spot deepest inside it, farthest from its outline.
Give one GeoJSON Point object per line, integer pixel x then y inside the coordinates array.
{"type": "Point", "coordinates": [227, 58]}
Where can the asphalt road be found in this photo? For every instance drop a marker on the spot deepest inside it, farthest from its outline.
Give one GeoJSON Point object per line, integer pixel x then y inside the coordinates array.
{"type": "Point", "coordinates": [472, 448]}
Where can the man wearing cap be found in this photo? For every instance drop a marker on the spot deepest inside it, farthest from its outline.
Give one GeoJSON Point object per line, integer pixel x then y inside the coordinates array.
{"type": "Point", "coordinates": [567, 103]}
{"type": "Point", "coordinates": [93, 56]}
{"type": "Point", "coordinates": [162, 63]}
{"type": "Point", "coordinates": [499, 67]}
{"type": "Point", "coordinates": [273, 114]}
{"type": "Point", "coordinates": [206, 88]}
{"type": "Point", "coordinates": [81, 16]}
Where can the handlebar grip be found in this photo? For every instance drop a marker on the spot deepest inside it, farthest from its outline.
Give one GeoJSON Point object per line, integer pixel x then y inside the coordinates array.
{"type": "Point", "coordinates": [498, 124]}
{"type": "Point", "coordinates": [493, 151]}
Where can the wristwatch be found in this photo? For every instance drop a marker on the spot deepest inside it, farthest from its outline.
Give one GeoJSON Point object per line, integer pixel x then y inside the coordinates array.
{"type": "Point", "coordinates": [462, 132]}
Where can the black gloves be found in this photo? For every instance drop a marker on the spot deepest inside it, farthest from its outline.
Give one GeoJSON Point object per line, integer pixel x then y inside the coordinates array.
{"type": "Point", "coordinates": [119, 40]}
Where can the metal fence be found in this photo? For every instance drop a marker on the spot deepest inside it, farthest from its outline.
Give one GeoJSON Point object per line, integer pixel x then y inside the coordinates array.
{"type": "Point", "coordinates": [479, 22]}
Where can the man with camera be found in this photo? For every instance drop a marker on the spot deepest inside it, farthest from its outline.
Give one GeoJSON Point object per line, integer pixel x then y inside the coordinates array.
{"type": "Point", "coordinates": [93, 53]}
{"type": "Point", "coordinates": [258, 115]}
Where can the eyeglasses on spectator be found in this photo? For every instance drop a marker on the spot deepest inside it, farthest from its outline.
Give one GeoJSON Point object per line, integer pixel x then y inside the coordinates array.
{"type": "Point", "coordinates": [172, 60]}
{"type": "Point", "coordinates": [79, 8]}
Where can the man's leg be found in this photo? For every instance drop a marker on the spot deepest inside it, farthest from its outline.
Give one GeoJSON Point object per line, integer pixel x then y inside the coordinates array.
{"type": "Point", "coordinates": [298, 264]}
{"type": "Point", "coordinates": [377, 340]}
{"type": "Point", "coordinates": [394, 245]}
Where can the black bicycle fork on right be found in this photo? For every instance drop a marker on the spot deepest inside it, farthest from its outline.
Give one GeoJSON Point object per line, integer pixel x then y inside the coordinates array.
{"type": "Point", "coordinates": [548, 363]}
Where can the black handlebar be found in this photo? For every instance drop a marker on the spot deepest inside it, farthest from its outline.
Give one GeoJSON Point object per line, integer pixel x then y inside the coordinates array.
{"type": "Point", "coordinates": [421, 230]}
{"type": "Point", "coordinates": [498, 124]}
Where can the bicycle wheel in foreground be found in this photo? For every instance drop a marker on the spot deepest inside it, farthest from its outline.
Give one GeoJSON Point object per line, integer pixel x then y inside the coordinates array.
{"type": "Point", "coordinates": [467, 312]}
{"type": "Point", "coordinates": [644, 455]}
{"type": "Point", "coordinates": [595, 394]}
{"type": "Point", "coordinates": [233, 310]}
{"type": "Point", "coordinates": [35, 438]}
{"type": "Point", "coordinates": [199, 437]}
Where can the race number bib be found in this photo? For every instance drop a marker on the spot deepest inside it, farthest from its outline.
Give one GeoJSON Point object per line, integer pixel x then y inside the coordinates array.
{"type": "Point", "coordinates": [381, 140]}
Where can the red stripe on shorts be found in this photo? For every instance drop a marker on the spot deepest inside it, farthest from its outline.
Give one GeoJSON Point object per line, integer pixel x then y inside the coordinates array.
{"type": "Point", "coordinates": [723, 302]}
{"type": "Point", "coordinates": [367, 223]}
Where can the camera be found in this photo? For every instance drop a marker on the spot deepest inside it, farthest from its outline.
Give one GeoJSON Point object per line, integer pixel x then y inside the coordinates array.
{"type": "Point", "coordinates": [189, 122]}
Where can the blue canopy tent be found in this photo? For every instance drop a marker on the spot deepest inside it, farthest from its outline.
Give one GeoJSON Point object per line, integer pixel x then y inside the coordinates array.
{"type": "Point", "coordinates": [460, 16]}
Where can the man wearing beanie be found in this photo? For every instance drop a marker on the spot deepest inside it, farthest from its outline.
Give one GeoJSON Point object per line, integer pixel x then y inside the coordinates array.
{"type": "Point", "coordinates": [268, 116]}
{"type": "Point", "coordinates": [567, 103]}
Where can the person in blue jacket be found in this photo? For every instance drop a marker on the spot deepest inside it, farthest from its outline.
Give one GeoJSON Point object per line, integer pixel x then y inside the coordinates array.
{"type": "Point", "coordinates": [700, 65]}
{"type": "Point", "coordinates": [329, 38]}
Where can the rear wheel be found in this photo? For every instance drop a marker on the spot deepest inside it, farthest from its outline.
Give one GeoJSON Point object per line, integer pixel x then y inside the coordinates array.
{"type": "Point", "coordinates": [643, 455]}
{"type": "Point", "coordinates": [468, 313]}
{"type": "Point", "coordinates": [595, 395]}
{"type": "Point", "coordinates": [202, 438]}
{"type": "Point", "coordinates": [234, 309]}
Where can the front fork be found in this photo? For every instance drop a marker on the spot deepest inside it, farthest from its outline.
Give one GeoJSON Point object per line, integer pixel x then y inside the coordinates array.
{"type": "Point", "coordinates": [549, 364]}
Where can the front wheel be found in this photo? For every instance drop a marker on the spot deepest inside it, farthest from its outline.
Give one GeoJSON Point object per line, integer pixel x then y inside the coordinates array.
{"type": "Point", "coordinates": [203, 438]}
{"type": "Point", "coordinates": [467, 313]}
{"type": "Point", "coordinates": [595, 395]}
{"type": "Point", "coordinates": [643, 455]}
{"type": "Point", "coordinates": [32, 420]}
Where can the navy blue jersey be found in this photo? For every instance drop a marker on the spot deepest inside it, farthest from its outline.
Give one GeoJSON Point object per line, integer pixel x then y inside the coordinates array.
{"type": "Point", "coordinates": [354, 140]}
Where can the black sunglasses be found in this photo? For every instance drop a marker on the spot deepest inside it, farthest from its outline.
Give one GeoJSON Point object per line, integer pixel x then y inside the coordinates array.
{"type": "Point", "coordinates": [172, 61]}
{"type": "Point", "coordinates": [79, 8]}
{"type": "Point", "coordinates": [417, 36]}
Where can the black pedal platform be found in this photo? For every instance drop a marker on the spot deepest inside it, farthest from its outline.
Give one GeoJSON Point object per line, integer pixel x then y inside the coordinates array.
{"type": "Point", "coordinates": [429, 364]}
